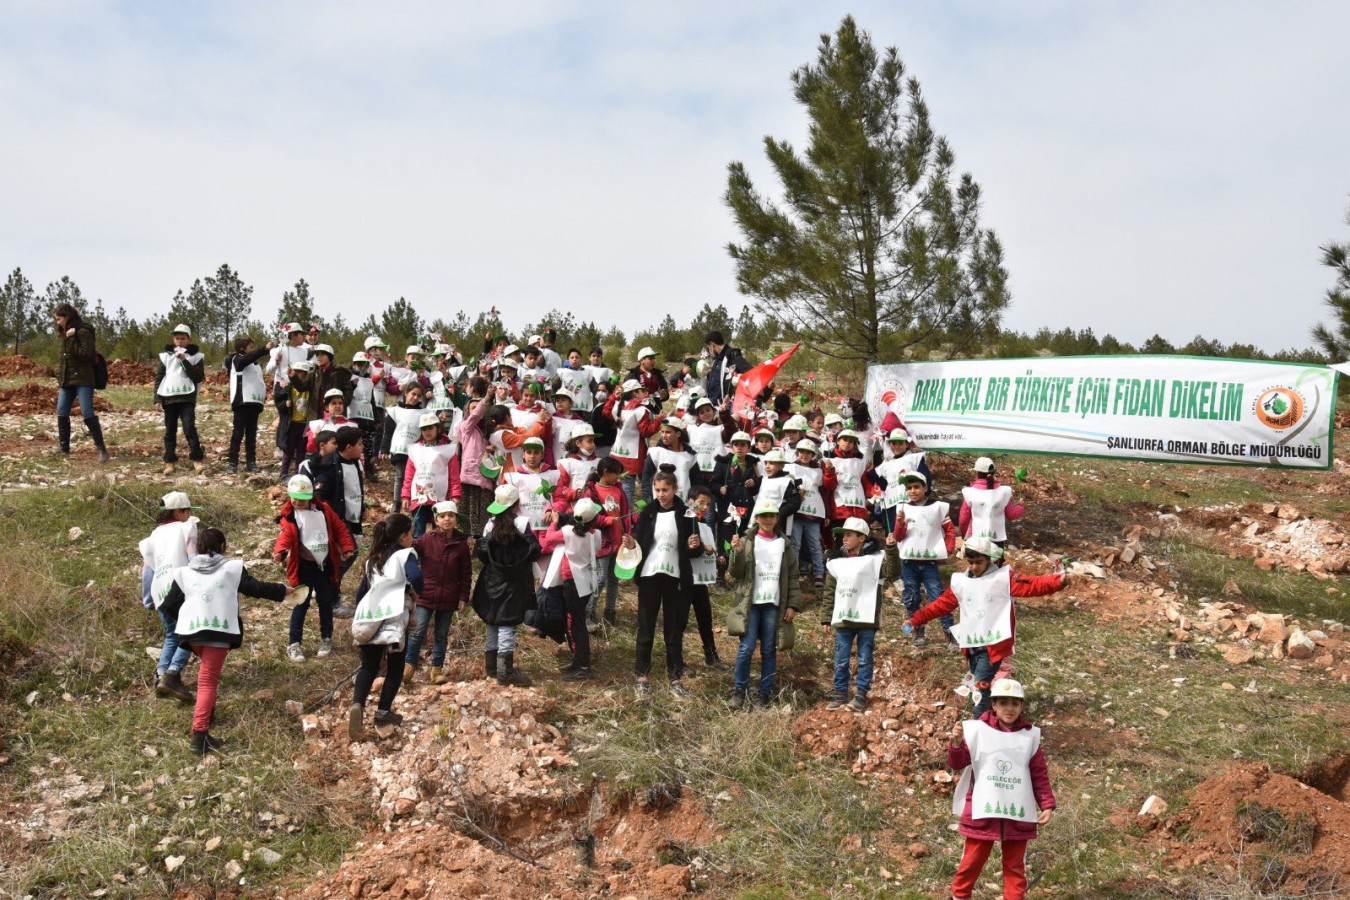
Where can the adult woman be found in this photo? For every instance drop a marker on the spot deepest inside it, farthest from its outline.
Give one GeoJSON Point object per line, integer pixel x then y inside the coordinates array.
{"type": "Point", "coordinates": [75, 377]}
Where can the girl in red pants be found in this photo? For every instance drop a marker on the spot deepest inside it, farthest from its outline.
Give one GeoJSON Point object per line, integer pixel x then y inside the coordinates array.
{"type": "Point", "coordinates": [204, 596]}
{"type": "Point", "coordinates": [1004, 792]}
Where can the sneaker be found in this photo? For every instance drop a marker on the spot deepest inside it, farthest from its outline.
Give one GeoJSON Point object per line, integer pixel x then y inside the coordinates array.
{"type": "Point", "coordinates": [920, 640]}
{"type": "Point", "coordinates": [837, 702]}
{"type": "Point", "coordinates": [232, 468]}
{"type": "Point", "coordinates": [581, 673]}
{"type": "Point", "coordinates": [858, 703]}
{"type": "Point", "coordinates": [387, 717]}
{"type": "Point", "coordinates": [679, 691]}
{"type": "Point", "coordinates": [643, 690]}
{"type": "Point", "coordinates": [295, 653]}
{"type": "Point", "coordinates": [951, 638]}
{"type": "Point", "coordinates": [325, 647]}
{"type": "Point", "coordinates": [343, 612]}
{"type": "Point", "coordinates": [820, 585]}
{"type": "Point", "coordinates": [737, 700]}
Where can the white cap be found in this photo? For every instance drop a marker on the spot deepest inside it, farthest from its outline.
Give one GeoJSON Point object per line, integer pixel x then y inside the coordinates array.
{"type": "Point", "coordinates": [984, 465]}
{"type": "Point", "coordinates": [796, 423]}
{"type": "Point", "coordinates": [414, 349]}
{"type": "Point", "coordinates": [324, 348]}
{"type": "Point", "coordinates": [646, 352]}
{"type": "Point", "coordinates": [302, 365]}
{"type": "Point", "coordinates": [446, 506]}
{"type": "Point", "coordinates": [702, 402]}
{"type": "Point", "coordinates": [565, 392]}
{"type": "Point", "coordinates": [300, 487]}
{"type": "Point", "coordinates": [833, 419]}
{"type": "Point", "coordinates": [765, 431]}
{"type": "Point", "coordinates": [765, 506]}
{"type": "Point", "coordinates": [374, 341]}
{"type": "Point", "coordinates": [444, 349]}
{"type": "Point", "coordinates": [898, 434]}
{"type": "Point", "coordinates": [293, 327]}
{"type": "Point", "coordinates": [536, 443]}
{"type": "Point", "coordinates": [630, 385]}
{"type": "Point", "coordinates": [175, 500]}
{"type": "Point", "coordinates": [849, 433]}
{"type": "Point", "coordinates": [505, 497]}
{"type": "Point", "coordinates": [586, 509]}
{"type": "Point", "coordinates": [775, 455]}
{"type": "Point", "coordinates": [740, 436]}
{"type": "Point", "coordinates": [915, 476]}
{"type": "Point", "coordinates": [674, 422]}
{"type": "Point", "coordinates": [853, 523]}
{"type": "Point", "coordinates": [360, 357]}
{"type": "Point", "coordinates": [507, 363]}
{"type": "Point", "coordinates": [535, 339]}
{"type": "Point", "coordinates": [428, 420]}
{"type": "Point", "coordinates": [808, 446]}
{"type": "Point", "coordinates": [582, 430]}
{"type": "Point", "coordinates": [1007, 687]}
{"type": "Point", "coordinates": [509, 349]}
{"type": "Point", "coordinates": [984, 546]}
{"type": "Point", "coordinates": [182, 329]}
{"type": "Point", "coordinates": [331, 393]}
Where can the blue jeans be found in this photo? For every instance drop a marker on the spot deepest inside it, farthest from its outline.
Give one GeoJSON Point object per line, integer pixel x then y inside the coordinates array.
{"type": "Point", "coordinates": [843, 649]}
{"type": "Point", "coordinates": [325, 594]}
{"type": "Point", "coordinates": [66, 396]}
{"type": "Point", "coordinates": [806, 535]}
{"type": "Point", "coordinates": [760, 626]}
{"type": "Point", "coordinates": [916, 572]}
{"type": "Point", "coordinates": [174, 657]}
{"type": "Point", "coordinates": [982, 669]}
{"type": "Point", "coordinates": [440, 634]}
{"type": "Point", "coordinates": [421, 519]}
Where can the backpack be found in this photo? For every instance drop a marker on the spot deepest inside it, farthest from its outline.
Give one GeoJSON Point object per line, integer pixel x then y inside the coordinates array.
{"type": "Point", "coordinates": [100, 371]}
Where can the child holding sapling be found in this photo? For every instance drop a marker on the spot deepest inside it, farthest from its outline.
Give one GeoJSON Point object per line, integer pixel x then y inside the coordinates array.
{"type": "Point", "coordinates": [1004, 791]}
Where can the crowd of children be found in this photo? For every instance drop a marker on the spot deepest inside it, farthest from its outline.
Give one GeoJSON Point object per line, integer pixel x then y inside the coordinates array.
{"type": "Point", "coordinates": [561, 479]}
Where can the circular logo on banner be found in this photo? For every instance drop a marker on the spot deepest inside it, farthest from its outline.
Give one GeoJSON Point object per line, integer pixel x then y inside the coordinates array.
{"type": "Point", "coordinates": [1279, 408]}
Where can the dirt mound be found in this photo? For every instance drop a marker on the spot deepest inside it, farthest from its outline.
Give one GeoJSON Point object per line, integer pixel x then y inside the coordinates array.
{"type": "Point", "coordinates": [902, 735]}
{"type": "Point", "coordinates": [130, 372]}
{"type": "Point", "coordinates": [1291, 835]}
{"type": "Point", "coordinates": [35, 399]}
{"type": "Point", "coordinates": [1277, 535]}
{"type": "Point", "coordinates": [22, 367]}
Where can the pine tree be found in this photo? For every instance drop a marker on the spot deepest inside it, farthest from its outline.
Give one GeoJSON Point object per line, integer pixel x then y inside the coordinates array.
{"type": "Point", "coordinates": [229, 302]}
{"type": "Point", "coordinates": [20, 314]}
{"type": "Point", "coordinates": [1335, 341]}
{"type": "Point", "coordinates": [987, 808]}
{"type": "Point", "coordinates": [297, 305]}
{"type": "Point", "coordinates": [400, 324]}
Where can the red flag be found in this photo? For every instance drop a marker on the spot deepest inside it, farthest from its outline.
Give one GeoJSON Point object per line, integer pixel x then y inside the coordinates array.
{"type": "Point", "coordinates": [752, 384]}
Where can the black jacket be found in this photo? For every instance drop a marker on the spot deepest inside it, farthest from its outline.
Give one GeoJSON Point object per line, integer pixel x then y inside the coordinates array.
{"type": "Point", "coordinates": [505, 587]}
{"type": "Point", "coordinates": [330, 487]}
{"type": "Point", "coordinates": [644, 533]}
{"type": "Point", "coordinates": [196, 371]}
{"type": "Point", "coordinates": [76, 368]}
{"type": "Point", "coordinates": [719, 383]}
{"type": "Point", "coordinates": [235, 364]}
{"type": "Point", "coordinates": [248, 587]}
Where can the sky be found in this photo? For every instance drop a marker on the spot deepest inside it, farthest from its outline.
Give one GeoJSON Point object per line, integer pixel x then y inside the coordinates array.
{"type": "Point", "coordinates": [1151, 167]}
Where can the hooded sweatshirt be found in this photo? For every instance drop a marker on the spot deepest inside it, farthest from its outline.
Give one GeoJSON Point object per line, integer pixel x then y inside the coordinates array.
{"type": "Point", "coordinates": [224, 606]}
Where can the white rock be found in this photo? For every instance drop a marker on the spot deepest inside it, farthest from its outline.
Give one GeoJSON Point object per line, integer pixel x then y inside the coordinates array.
{"type": "Point", "coordinates": [1153, 807]}
{"type": "Point", "coordinates": [1300, 646]}
{"type": "Point", "coordinates": [268, 856]}
{"type": "Point", "coordinates": [75, 533]}
{"type": "Point", "coordinates": [171, 863]}
{"type": "Point", "coordinates": [233, 869]}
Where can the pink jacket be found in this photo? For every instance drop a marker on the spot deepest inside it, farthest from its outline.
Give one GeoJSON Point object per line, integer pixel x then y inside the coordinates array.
{"type": "Point", "coordinates": [1012, 511]}
{"type": "Point", "coordinates": [996, 828]}
{"type": "Point", "coordinates": [410, 472]}
{"type": "Point", "coordinates": [471, 446]}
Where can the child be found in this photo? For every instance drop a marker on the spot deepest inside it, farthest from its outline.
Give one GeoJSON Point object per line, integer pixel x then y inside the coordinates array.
{"type": "Point", "coordinates": [779, 489]}
{"type": "Point", "coordinates": [505, 587]}
{"type": "Point", "coordinates": [735, 478]}
{"type": "Point", "coordinates": [328, 377]}
{"type": "Point", "coordinates": [577, 536]}
{"type": "Point", "coordinates": [282, 358]}
{"type": "Point", "coordinates": [203, 599]}
{"type": "Point", "coordinates": [669, 542]}
{"type": "Point", "coordinates": [764, 569]}
{"type": "Point", "coordinates": [600, 373]}
{"type": "Point", "coordinates": [309, 532]}
{"type": "Point", "coordinates": [858, 572]}
{"type": "Point", "coordinates": [508, 440]}
{"type": "Point", "coordinates": [604, 488]}
{"type": "Point", "coordinates": [708, 436]}
{"type": "Point", "coordinates": [340, 484]}
{"type": "Point", "coordinates": [432, 472]}
{"type": "Point", "coordinates": [476, 487]}
{"type": "Point", "coordinates": [652, 379]}
{"type": "Point", "coordinates": [845, 477]}
{"type": "Point", "coordinates": [446, 573]}
{"type": "Point", "coordinates": [810, 515]}
{"type": "Point", "coordinates": [179, 372]}
{"type": "Point", "coordinates": [169, 546]}
{"type": "Point", "coordinates": [924, 530]}
{"type": "Point", "coordinates": [705, 569]}
{"type": "Point", "coordinates": [292, 398]}
{"type": "Point", "coordinates": [890, 477]}
{"type": "Point", "coordinates": [577, 463]}
{"type": "Point", "coordinates": [794, 429]}
{"type": "Point", "coordinates": [248, 393]}
{"type": "Point", "coordinates": [362, 408]}
{"type": "Point", "coordinates": [566, 422]}
{"type": "Point", "coordinates": [635, 425]}
{"type": "Point", "coordinates": [672, 453]}
{"type": "Point", "coordinates": [575, 378]}
{"type": "Point", "coordinates": [401, 431]}
{"type": "Point", "coordinates": [986, 505]}
{"type": "Point", "coordinates": [380, 624]}
{"type": "Point", "coordinates": [535, 482]}
{"type": "Point", "coordinates": [985, 593]}
{"type": "Point", "coordinates": [765, 442]}
{"type": "Point", "coordinates": [1004, 791]}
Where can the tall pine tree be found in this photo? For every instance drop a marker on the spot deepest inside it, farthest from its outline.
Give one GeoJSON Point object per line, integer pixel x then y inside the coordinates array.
{"type": "Point", "coordinates": [20, 312]}
{"type": "Point", "coordinates": [1335, 340]}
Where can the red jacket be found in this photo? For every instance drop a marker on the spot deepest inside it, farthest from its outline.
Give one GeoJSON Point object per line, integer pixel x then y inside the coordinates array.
{"type": "Point", "coordinates": [650, 425]}
{"type": "Point", "coordinates": [447, 568]}
{"type": "Point", "coordinates": [410, 470]}
{"type": "Point", "coordinates": [830, 481]}
{"type": "Point", "coordinates": [615, 524]}
{"type": "Point", "coordinates": [312, 441]}
{"type": "Point", "coordinates": [1000, 829]}
{"type": "Point", "coordinates": [1011, 511]}
{"type": "Point", "coordinates": [889, 423]}
{"type": "Point", "coordinates": [948, 530]}
{"type": "Point", "coordinates": [288, 542]}
{"type": "Point", "coordinates": [1021, 585]}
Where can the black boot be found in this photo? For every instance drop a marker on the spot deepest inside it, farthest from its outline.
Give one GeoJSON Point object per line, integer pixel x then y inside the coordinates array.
{"type": "Point", "coordinates": [95, 432]}
{"type": "Point", "coordinates": [508, 674]}
{"type": "Point", "coordinates": [63, 433]}
{"type": "Point", "coordinates": [171, 685]}
{"type": "Point", "coordinates": [202, 742]}
{"type": "Point", "coordinates": [490, 663]}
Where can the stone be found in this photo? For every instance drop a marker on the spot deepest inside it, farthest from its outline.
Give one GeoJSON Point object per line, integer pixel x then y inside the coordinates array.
{"type": "Point", "coordinates": [1127, 555]}
{"type": "Point", "coordinates": [213, 843]}
{"type": "Point", "coordinates": [294, 708]}
{"type": "Point", "coordinates": [1154, 807]}
{"type": "Point", "coordinates": [1237, 656]}
{"type": "Point", "coordinates": [171, 863]}
{"type": "Point", "coordinates": [1300, 646]}
{"type": "Point", "coordinates": [310, 725]}
{"type": "Point", "coordinates": [917, 850]}
{"type": "Point", "coordinates": [1288, 512]}
{"type": "Point", "coordinates": [268, 856]}
{"type": "Point", "coordinates": [1231, 589]}
{"type": "Point", "coordinates": [75, 533]}
{"type": "Point", "coordinates": [1273, 631]}
{"type": "Point", "coordinates": [1264, 563]}
{"type": "Point", "coordinates": [234, 869]}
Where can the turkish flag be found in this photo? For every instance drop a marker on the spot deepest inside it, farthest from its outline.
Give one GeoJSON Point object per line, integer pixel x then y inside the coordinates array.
{"type": "Point", "coordinates": [752, 384]}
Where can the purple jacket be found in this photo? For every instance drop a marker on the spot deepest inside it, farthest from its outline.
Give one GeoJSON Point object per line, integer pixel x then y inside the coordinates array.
{"type": "Point", "coordinates": [999, 829]}
{"type": "Point", "coordinates": [471, 447]}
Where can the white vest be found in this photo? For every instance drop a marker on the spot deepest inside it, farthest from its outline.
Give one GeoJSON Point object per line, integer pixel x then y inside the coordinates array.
{"type": "Point", "coordinates": [705, 564]}
{"type": "Point", "coordinates": [176, 382]}
{"type": "Point", "coordinates": [601, 375]}
{"type": "Point", "coordinates": [580, 551]}
{"type": "Point", "coordinates": [210, 599]}
{"type": "Point", "coordinates": [810, 479]}
{"type": "Point", "coordinates": [381, 616]}
{"type": "Point", "coordinates": [578, 470]}
{"type": "Point", "coordinates": [683, 461]}
{"type": "Point", "coordinates": [281, 359]}
{"type": "Point", "coordinates": [705, 439]}
{"type": "Point", "coordinates": [894, 471]}
{"type": "Point", "coordinates": [532, 503]}
{"type": "Point", "coordinates": [578, 381]}
{"type": "Point", "coordinates": [247, 386]}
{"type": "Point", "coordinates": [406, 431]}
{"type": "Point", "coordinates": [562, 433]}
{"type": "Point", "coordinates": [378, 373]}
{"type": "Point", "coordinates": [1000, 768]}
{"type": "Point", "coordinates": [517, 455]}
{"type": "Point", "coordinates": [768, 568]}
{"type": "Point", "coordinates": [363, 399]}
{"type": "Point", "coordinates": [431, 472]}
{"type": "Point", "coordinates": [167, 548]}
{"type": "Point", "coordinates": [664, 557]}
{"type": "Point", "coordinates": [775, 489]}
{"type": "Point", "coordinates": [314, 537]}
{"type": "Point", "coordinates": [848, 488]}
{"type": "Point", "coordinates": [924, 538]}
{"type": "Point", "coordinates": [986, 511]}
{"type": "Point", "coordinates": [856, 579]}
{"type": "Point", "coordinates": [627, 441]}
{"type": "Point", "coordinates": [986, 607]}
